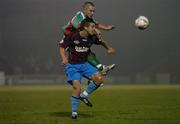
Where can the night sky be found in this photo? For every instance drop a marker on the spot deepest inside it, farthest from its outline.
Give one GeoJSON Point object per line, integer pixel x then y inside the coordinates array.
{"type": "Point", "coordinates": [30, 31]}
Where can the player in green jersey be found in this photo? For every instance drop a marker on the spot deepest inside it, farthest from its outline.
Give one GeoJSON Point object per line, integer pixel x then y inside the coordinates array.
{"type": "Point", "coordinates": [73, 25]}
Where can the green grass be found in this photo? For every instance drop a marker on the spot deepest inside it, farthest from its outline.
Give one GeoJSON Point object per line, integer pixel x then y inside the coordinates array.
{"type": "Point", "coordinates": [130, 104]}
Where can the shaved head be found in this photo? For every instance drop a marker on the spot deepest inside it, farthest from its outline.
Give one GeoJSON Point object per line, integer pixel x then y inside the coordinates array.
{"type": "Point", "coordinates": [88, 9]}
{"type": "Point", "coordinates": [86, 4]}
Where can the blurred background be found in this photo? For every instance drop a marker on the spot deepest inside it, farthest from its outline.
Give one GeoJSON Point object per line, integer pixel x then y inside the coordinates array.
{"type": "Point", "coordinates": [31, 29]}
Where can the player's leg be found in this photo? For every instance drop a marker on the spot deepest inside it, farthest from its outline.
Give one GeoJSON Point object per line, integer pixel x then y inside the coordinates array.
{"type": "Point", "coordinates": [92, 59]}
{"type": "Point", "coordinates": [75, 98]}
{"type": "Point", "coordinates": [74, 78]}
{"type": "Point", "coordinates": [95, 83]}
{"type": "Point", "coordinates": [96, 77]}
{"type": "Point", "coordinates": [107, 68]}
{"type": "Point", "coordinates": [104, 68]}
{"type": "Point", "coordinates": [73, 72]}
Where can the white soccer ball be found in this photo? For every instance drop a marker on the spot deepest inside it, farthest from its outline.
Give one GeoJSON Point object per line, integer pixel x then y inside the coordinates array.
{"type": "Point", "coordinates": [142, 22]}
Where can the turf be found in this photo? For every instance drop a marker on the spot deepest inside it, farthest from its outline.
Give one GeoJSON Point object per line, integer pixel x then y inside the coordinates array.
{"type": "Point", "coordinates": [118, 104]}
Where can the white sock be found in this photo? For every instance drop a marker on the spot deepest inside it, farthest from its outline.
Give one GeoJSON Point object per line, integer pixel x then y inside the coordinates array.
{"type": "Point", "coordinates": [85, 93]}
{"type": "Point", "coordinates": [74, 113]}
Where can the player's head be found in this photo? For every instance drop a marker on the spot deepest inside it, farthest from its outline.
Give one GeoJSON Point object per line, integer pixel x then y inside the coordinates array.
{"type": "Point", "coordinates": [88, 25]}
{"type": "Point", "coordinates": [88, 9]}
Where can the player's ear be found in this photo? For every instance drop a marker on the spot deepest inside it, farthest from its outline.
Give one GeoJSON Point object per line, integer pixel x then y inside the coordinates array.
{"type": "Point", "coordinates": [85, 28]}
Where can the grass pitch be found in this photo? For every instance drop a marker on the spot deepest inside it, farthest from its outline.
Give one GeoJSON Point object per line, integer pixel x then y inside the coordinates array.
{"type": "Point", "coordinates": [118, 104]}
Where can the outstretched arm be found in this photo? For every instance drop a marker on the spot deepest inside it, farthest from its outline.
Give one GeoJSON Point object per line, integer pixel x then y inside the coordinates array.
{"type": "Point", "coordinates": [105, 27]}
{"type": "Point", "coordinates": [102, 42]}
{"type": "Point", "coordinates": [109, 49]}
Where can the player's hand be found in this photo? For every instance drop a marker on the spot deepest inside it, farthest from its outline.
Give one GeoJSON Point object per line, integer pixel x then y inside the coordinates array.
{"type": "Point", "coordinates": [65, 61]}
{"type": "Point", "coordinates": [110, 50]}
{"type": "Point", "coordinates": [110, 27]}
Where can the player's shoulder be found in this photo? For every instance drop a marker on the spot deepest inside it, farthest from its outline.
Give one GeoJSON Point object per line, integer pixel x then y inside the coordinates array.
{"type": "Point", "coordinates": [75, 35]}
{"type": "Point", "coordinates": [80, 14]}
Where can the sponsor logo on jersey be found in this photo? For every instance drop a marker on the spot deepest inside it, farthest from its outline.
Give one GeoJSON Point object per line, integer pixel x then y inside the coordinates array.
{"type": "Point", "coordinates": [76, 42]}
{"type": "Point", "coordinates": [84, 39]}
{"type": "Point", "coordinates": [81, 49]}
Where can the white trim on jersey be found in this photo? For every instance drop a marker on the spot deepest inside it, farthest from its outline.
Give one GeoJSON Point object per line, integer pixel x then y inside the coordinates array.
{"type": "Point", "coordinates": [83, 15]}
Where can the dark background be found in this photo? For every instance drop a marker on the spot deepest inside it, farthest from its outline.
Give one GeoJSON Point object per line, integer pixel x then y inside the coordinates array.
{"type": "Point", "coordinates": [30, 31]}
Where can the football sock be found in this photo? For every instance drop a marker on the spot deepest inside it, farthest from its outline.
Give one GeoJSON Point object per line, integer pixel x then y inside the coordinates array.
{"type": "Point", "coordinates": [74, 103]}
{"type": "Point", "coordinates": [94, 61]}
{"type": "Point", "coordinates": [90, 88]}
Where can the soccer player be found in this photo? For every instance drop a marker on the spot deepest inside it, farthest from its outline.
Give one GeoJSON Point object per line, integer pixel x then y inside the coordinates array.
{"type": "Point", "coordinates": [73, 26]}
{"type": "Point", "coordinates": [79, 45]}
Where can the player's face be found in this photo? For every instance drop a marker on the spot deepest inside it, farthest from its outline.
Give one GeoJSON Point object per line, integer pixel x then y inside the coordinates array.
{"type": "Point", "coordinates": [89, 11]}
{"type": "Point", "coordinates": [90, 29]}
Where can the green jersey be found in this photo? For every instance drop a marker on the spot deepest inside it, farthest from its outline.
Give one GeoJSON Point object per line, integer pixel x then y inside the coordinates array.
{"type": "Point", "coordinates": [74, 23]}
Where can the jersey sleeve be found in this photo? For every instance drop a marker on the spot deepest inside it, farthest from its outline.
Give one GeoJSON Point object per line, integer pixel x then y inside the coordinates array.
{"type": "Point", "coordinates": [74, 22]}
{"type": "Point", "coordinates": [77, 19]}
{"type": "Point", "coordinates": [96, 40]}
{"type": "Point", "coordinates": [65, 42]}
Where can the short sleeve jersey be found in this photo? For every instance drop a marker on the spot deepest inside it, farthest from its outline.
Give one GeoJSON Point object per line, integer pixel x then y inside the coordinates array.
{"type": "Point", "coordinates": [79, 47]}
{"type": "Point", "coordinates": [74, 24]}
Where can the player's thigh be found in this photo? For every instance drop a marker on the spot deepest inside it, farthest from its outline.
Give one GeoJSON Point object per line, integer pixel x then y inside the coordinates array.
{"type": "Point", "coordinates": [92, 73]}
{"type": "Point", "coordinates": [88, 70]}
{"type": "Point", "coordinates": [76, 84]}
{"type": "Point", "coordinates": [76, 87]}
{"type": "Point", "coordinates": [72, 73]}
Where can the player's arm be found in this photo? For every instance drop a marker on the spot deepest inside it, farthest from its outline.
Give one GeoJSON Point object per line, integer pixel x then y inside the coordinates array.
{"type": "Point", "coordinates": [75, 22]}
{"type": "Point", "coordinates": [109, 49]}
{"type": "Point", "coordinates": [77, 19]}
{"type": "Point", "coordinates": [105, 27]}
{"type": "Point", "coordinates": [62, 52]}
{"type": "Point", "coordinates": [100, 41]}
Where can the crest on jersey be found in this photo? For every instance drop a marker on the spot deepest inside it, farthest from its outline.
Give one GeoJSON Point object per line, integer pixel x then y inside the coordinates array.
{"type": "Point", "coordinates": [76, 42]}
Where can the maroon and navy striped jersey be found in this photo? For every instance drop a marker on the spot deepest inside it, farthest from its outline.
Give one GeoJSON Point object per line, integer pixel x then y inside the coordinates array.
{"type": "Point", "coordinates": [78, 47]}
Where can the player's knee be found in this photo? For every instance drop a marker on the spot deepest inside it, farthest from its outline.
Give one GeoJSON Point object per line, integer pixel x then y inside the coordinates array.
{"type": "Point", "coordinates": [76, 86]}
{"type": "Point", "coordinates": [98, 79]}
